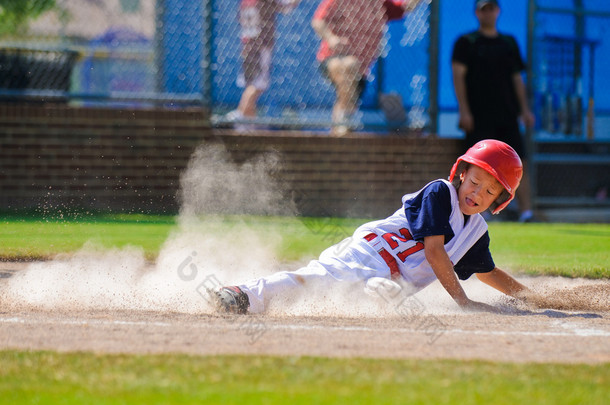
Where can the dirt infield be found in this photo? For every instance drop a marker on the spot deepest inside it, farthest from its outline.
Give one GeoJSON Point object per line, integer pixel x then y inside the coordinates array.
{"type": "Point", "coordinates": [541, 337]}
{"type": "Point", "coordinates": [414, 331]}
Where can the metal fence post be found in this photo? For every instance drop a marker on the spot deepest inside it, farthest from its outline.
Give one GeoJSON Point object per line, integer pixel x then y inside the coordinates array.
{"type": "Point", "coordinates": [433, 65]}
{"type": "Point", "coordinates": [529, 132]}
{"type": "Point", "coordinates": [207, 59]}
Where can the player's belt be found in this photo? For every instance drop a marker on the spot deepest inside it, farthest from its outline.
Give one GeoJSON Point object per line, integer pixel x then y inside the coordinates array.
{"type": "Point", "coordinates": [385, 255]}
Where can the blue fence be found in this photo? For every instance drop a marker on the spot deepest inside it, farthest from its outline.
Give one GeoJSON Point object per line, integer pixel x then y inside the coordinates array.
{"type": "Point", "coordinates": [175, 52]}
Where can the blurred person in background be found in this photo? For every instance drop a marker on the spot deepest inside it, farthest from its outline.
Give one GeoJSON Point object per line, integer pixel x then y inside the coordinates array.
{"type": "Point", "coordinates": [257, 34]}
{"type": "Point", "coordinates": [491, 95]}
{"type": "Point", "coordinates": [351, 32]}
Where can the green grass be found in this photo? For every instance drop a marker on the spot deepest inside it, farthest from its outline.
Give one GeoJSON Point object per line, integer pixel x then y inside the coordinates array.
{"type": "Point", "coordinates": [75, 378]}
{"type": "Point", "coordinates": [27, 238]}
{"type": "Point", "coordinates": [571, 250]}
{"type": "Point", "coordinates": [54, 378]}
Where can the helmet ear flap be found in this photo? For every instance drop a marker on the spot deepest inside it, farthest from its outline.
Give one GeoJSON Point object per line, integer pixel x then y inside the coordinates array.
{"type": "Point", "coordinates": [461, 167]}
{"type": "Point", "coordinates": [502, 199]}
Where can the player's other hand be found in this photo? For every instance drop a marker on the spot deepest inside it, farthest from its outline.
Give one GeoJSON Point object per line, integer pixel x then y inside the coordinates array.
{"type": "Point", "coordinates": [466, 122]}
{"type": "Point", "coordinates": [528, 119]}
{"type": "Point", "coordinates": [336, 43]}
{"type": "Point", "coordinates": [475, 306]}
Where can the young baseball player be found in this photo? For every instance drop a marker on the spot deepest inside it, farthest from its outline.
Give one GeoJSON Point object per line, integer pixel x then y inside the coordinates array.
{"type": "Point", "coordinates": [437, 234]}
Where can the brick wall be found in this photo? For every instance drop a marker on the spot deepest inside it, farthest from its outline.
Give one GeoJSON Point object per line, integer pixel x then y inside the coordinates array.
{"type": "Point", "coordinates": [60, 157]}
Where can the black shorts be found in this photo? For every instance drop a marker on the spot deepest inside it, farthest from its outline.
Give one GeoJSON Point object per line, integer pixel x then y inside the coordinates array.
{"type": "Point", "coordinates": [324, 70]}
{"type": "Point", "coordinates": [256, 66]}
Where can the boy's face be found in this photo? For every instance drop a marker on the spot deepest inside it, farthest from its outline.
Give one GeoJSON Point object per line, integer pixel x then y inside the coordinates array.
{"type": "Point", "coordinates": [478, 191]}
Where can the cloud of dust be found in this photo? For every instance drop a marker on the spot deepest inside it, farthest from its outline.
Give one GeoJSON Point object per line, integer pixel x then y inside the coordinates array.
{"type": "Point", "coordinates": [552, 293]}
{"type": "Point", "coordinates": [213, 185]}
{"type": "Point", "coordinates": [210, 247]}
{"type": "Point", "coordinates": [571, 294]}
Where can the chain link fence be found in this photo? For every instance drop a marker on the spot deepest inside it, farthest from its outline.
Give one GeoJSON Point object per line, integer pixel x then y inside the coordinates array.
{"type": "Point", "coordinates": [89, 50]}
{"type": "Point", "coordinates": [569, 54]}
{"type": "Point", "coordinates": [174, 52]}
{"type": "Point", "coordinates": [569, 51]}
{"type": "Point", "coordinates": [297, 89]}
{"type": "Point", "coordinates": [261, 64]}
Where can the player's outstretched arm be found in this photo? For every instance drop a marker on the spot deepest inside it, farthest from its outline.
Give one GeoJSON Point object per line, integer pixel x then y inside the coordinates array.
{"type": "Point", "coordinates": [436, 255]}
{"type": "Point", "coordinates": [505, 283]}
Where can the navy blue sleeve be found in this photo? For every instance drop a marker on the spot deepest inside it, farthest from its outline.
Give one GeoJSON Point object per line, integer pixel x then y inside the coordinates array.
{"type": "Point", "coordinates": [477, 260]}
{"type": "Point", "coordinates": [428, 212]}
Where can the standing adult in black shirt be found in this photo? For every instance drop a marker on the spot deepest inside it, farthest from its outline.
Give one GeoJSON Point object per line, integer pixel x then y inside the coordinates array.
{"type": "Point", "coordinates": [491, 95]}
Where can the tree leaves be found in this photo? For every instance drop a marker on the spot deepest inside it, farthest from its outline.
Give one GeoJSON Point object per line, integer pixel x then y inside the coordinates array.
{"type": "Point", "coordinates": [16, 14]}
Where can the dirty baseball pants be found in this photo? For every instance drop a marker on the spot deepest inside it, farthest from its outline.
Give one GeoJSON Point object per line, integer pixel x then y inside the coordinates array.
{"type": "Point", "coordinates": [350, 260]}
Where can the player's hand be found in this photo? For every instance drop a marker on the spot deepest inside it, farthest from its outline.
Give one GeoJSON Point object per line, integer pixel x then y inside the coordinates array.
{"type": "Point", "coordinates": [410, 5]}
{"type": "Point", "coordinates": [466, 122]}
{"type": "Point", "coordinates": [336, 43]}
{"type": "Point", "coordinates": [475, 306]}
{"type": "Point", "coordinates": [528, 119]}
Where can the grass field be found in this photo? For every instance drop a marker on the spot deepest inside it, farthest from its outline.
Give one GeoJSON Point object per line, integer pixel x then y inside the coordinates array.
{"type": "Point", "coordinates": [570, 250]}
{"type": "Point", "coordinates": [75, 378]}
{"type": "Point", "coordinates": [52, 378]}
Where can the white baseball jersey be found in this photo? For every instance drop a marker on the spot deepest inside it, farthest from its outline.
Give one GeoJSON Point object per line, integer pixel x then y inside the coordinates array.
{"type": "Point", "coordinates": [383, 248]}
{"type": "Point", "coordinates": [394, 235]}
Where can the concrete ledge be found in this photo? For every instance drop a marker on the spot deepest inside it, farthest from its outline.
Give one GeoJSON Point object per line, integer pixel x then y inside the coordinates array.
{"type": "Point", "coordinates": [577, 215]}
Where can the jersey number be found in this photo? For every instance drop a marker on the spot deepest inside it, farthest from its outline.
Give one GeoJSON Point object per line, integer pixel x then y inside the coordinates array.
{"type": "Point", "coordinates": [394, 239]}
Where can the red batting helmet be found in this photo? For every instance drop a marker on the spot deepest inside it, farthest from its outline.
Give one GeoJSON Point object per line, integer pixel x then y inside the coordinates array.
{"type": "Point", "coordinates": [499, 160]}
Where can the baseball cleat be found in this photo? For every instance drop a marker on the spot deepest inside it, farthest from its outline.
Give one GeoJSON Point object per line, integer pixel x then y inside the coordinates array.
{"type": "Point", "coordinates": [232, 300]}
